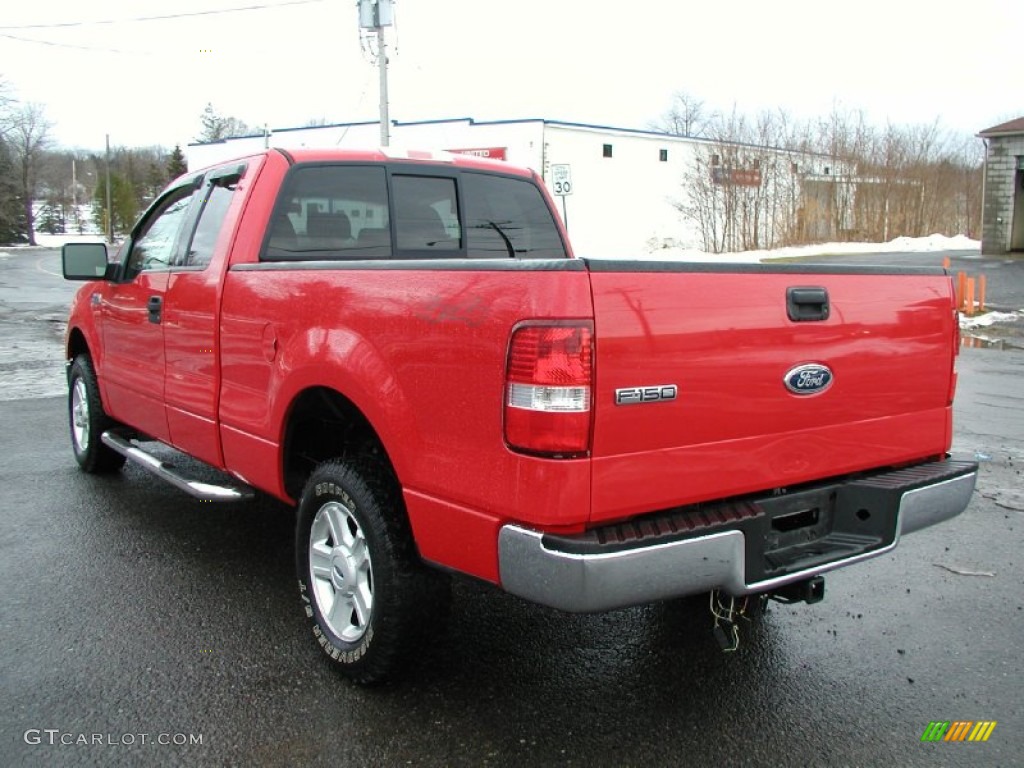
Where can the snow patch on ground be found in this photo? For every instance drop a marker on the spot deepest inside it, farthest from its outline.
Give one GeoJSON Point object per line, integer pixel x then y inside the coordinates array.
{"type": "Point", "coordinates": [899, 244]}
{"type": "Point", "coordinates": [989, 319]}
{"type": "Point", "coordinates": [56, 241]}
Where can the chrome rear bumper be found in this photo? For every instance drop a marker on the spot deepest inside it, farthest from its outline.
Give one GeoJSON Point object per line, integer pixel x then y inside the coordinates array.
{"type": "Point", "coordinates": [586, 578]}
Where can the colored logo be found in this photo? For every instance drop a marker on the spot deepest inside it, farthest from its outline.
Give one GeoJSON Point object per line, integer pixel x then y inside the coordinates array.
{"type": "Point", "coordinates": [809, 379]}
{"type": "Point", "coordinates": [958, 730]}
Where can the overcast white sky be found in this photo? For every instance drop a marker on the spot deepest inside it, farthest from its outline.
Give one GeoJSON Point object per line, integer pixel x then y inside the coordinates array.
{"type": "Point", "coordinates": [146, 82]}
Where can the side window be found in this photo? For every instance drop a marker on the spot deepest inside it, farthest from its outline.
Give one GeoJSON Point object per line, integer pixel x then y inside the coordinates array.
{"type": "Point", "coordinates": [331, 212]}
{"type": "Point", "coordinates": [507, 218]}
{"type": "Point", "coordinates": [426, 213]}
{"type": "Point", "coordinates": [211, 219]}
{"type": "Point", "coordinates": [153, 247]}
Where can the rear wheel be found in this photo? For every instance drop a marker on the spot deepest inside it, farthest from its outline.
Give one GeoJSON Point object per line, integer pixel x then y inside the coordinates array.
{"type": "Point", "coordinates": [88, 420]}
{"type": "Point", "coordinates": [370, 598]}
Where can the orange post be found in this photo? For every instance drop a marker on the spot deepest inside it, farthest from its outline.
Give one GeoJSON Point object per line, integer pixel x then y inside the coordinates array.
{"type": "Point", "coordinates": [961, 290]}
{"type": "Point", "coordinates": [982, 281]}
{"type": "Point", "coordinates": [945, 262]}
{"type": "Point", "coordinates": [970, 296]}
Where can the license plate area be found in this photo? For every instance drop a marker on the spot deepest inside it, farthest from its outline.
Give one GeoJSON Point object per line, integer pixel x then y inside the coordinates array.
{"type": "Point", "coordinates": [793, 521]}
{"type": "Point", "coordinates": [812, 527]}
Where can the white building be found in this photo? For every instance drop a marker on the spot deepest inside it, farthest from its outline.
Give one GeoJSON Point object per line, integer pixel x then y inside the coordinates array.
{"type": "Point", "coordinates": [624, 182]}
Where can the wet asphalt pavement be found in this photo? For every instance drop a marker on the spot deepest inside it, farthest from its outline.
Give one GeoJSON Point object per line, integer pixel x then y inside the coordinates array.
{"type": "Point", "coordinates": [130, 609]}
{"type": "Point", "coordinates": [131, 613]}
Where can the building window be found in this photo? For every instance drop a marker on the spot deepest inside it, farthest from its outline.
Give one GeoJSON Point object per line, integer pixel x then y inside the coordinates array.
{"type": "Point", "coordinates": [715, 160]}
{"type": "Point", "coordinates": [663, 155]}
{"type": "Point", "coordinates": [607, 150]}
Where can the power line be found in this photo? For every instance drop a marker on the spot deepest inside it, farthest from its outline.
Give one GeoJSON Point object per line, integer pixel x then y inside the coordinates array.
{"type": "Point", "coordinates": [69, 45]}
{"type": "Point", "coordinates": [259, 7]}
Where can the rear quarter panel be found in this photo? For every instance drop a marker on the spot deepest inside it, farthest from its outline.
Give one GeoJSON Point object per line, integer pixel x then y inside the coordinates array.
{"type": "Point", "coordinates": [419, 348]}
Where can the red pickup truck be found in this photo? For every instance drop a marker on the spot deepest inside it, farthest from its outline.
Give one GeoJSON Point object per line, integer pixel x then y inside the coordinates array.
{"type": "Point", "coordinates": [406, 348]}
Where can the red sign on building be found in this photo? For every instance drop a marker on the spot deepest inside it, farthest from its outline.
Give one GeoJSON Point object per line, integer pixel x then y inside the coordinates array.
{"type": "Point", "coordinates": [492, 153]}
{"type": "Point", "coordinates": [737, 177]}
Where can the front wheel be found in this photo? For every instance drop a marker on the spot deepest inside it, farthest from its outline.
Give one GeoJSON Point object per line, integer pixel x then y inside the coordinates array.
{"type": "Point", "coordinates": [88, 420]}
{"type": "Point", "coordinates": [361, 581]}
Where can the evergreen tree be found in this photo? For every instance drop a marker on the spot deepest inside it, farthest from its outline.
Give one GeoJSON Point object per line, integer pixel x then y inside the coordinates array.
{"type": "Point", "coordinates": [12, 212]}
{"type": "Point", "coordinates": [176, 164]}
{"type": "Point", "coordinates": [123, 200]}
{"type": "Point", "coordinates": [156, 179]}
{"type": "Point", "coordinates": [51, 219]}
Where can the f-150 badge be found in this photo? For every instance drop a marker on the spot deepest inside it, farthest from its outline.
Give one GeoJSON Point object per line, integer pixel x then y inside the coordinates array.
{"type": "Point", "coordinates": [659, 393]}
{"type": "Point", "coordinates": [808, 379]}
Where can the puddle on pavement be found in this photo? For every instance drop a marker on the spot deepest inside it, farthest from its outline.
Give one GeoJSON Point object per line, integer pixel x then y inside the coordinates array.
{"type": "Point", "coordinates": [985, 342]}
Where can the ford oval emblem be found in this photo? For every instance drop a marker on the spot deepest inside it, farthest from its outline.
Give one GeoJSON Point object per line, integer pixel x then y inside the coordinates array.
{"type": "Point", "coordinates": [809, 379]}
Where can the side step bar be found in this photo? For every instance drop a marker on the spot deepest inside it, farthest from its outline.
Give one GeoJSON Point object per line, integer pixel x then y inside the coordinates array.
{"type": "Point", "coordinates": [168, 472]}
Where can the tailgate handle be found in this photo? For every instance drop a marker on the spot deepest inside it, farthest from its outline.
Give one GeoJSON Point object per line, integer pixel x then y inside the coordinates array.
{"type": "Point", "coordinates": [806, 304]}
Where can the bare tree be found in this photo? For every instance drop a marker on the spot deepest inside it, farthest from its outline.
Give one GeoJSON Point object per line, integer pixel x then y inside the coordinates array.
{"type": "Point", "coordinates": [217, 126]}
{"type": "Point", "coordinates": [763, 181]}
{"type": "Point", "coordinates": [740, 190]}
{"type": "Point", "coordinates": [29, 136]}
{"type": "Point", "coordinates": [687, 116]}
{"type": "Point", "coordinates": [7, 104]}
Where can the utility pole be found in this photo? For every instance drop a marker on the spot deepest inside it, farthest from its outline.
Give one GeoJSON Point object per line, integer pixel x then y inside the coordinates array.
{"type": "Point", "coordinates": [375, 15]}
{"type": "Point", "coordinates": [110, 209]}
{"type": "Point", "coordinates": [382, 63]}
{"type": "Point", "coordinates": [74, 198]}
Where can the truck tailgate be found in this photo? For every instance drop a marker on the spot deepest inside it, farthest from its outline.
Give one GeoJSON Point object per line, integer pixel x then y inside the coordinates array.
{"type": "Point", "coordinates": [724, 338]}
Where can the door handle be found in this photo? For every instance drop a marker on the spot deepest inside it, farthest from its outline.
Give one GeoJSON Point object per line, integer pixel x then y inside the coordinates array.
{"type": "Point", "coordinates": [807, 304]}
{"type": "Point", "coordinates": [154, 305]}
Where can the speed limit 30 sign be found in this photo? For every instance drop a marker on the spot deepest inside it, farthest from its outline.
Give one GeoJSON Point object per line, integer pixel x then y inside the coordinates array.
{"type": "Point", "coordinates": [561, 180]}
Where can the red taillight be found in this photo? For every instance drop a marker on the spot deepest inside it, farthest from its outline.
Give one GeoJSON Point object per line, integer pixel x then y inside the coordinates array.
{"type": "Point", "coordinates": [548, 384]}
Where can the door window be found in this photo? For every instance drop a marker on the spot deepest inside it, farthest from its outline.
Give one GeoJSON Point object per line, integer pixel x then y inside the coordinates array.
{"type": "Point", "coordinates": [215, 208]}
{"type": "Point", "coordinates": [153, 247]}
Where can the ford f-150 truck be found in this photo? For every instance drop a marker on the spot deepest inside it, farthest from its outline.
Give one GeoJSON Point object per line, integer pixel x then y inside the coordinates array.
{"type": "Point", "coordinates": [405, 347]}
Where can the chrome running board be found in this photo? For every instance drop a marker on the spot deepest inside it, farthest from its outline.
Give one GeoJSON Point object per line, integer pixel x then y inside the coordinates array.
{"type": "Point", "coordinates": [169, 473]}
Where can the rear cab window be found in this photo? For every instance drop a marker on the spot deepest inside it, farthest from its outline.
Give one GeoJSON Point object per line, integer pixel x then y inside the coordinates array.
{"type": "Point", "coordinates": [330, 212]}
{"type": "Point", "coordinates": [348, 211]}
{"type": "Point", "coordinates": [508, 217]}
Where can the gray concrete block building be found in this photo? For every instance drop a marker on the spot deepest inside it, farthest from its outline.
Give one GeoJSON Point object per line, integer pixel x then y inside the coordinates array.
{"type": "Point", "coordinates": [1002, 225]}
